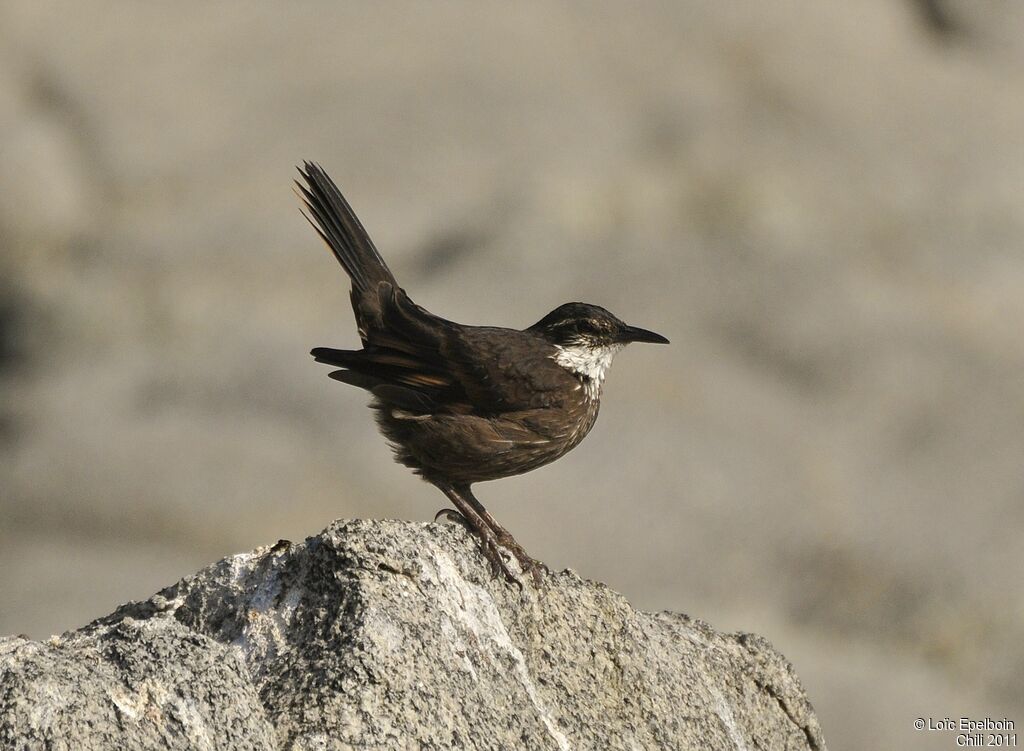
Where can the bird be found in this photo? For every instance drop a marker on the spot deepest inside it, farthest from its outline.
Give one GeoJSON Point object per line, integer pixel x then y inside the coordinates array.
{"type": "Point", "coordinates": [463, 404]}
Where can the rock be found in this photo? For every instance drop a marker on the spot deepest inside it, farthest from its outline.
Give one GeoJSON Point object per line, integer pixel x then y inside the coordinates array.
{"type": "Point", "coordinates": [384, 634]}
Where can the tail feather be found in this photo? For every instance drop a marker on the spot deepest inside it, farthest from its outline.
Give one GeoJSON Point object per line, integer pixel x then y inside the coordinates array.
{"type": "Point", "coordinates": [383, 365]}
{"type": "Point", "coordinates": [335, 222]}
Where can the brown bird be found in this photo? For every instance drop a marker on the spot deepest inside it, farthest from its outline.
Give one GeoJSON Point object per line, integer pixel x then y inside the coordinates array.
{"type": "Point", "coordinates": [464, 404]}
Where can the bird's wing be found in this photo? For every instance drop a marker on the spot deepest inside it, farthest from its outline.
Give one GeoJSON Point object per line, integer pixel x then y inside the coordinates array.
{"type": "Point", "coordinates": [426, 364]}
{"type": "Point", "coordinates": [505, 370]}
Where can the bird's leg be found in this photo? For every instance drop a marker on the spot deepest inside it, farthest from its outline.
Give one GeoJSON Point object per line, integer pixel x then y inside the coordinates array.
{"type": "Point", "coordinates": [531, 565]}
{"type": "Point", "coordinates": [483, 531]}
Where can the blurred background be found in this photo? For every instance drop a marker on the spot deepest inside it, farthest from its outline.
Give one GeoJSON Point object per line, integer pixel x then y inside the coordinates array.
{"type": "Point", "coordinates": [820, 203]}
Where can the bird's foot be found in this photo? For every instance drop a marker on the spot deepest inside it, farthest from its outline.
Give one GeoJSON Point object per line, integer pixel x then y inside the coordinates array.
{"type": "Point", "coordinates": [492, 536]}
{"type": "Point", "coordinates": [528, 564]}
{"type": "Point", "coordinates": [494, 545]}
{"type": "Point", "coordinates": [490, 546]}
{"type": "Point", "coordinates": [499, 566]}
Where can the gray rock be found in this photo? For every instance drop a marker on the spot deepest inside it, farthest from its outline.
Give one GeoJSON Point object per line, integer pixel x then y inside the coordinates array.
{"type": "Point", "coordinates": [383, 634]}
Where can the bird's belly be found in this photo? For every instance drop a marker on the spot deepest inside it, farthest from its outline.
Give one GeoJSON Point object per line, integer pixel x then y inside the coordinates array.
{"type": "Point", "coordinates": [471, 448]}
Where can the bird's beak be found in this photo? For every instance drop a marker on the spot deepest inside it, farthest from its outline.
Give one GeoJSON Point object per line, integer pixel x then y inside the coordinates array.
{"type": "Point", "coordinates": [635, 334]}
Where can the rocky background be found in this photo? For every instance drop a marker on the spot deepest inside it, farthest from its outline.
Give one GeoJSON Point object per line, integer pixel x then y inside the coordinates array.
{"type": "Point", "coordinates": [395, 635]}
{"type": "Point", "coordinates": [820, 203]}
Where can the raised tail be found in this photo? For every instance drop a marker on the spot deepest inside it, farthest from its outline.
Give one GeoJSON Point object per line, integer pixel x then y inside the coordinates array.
{"type": "Point", "coordinates": [335, 222]}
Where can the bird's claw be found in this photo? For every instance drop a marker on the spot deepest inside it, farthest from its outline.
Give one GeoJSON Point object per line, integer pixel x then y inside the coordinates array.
{"type": "Point", "coordinates": [499, 567]}
{"type": "Point", "coordinates": [451, 516]}
{"type": "Point", "coordinates": [527, 564]}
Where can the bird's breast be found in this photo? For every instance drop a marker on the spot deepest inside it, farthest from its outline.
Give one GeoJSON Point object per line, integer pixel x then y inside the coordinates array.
{"type": "Point", "coordinates": [569, 423]}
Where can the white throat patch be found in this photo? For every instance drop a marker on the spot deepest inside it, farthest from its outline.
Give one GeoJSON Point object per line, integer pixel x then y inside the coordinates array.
{"type": "Point", "coordinates": [590, 362]}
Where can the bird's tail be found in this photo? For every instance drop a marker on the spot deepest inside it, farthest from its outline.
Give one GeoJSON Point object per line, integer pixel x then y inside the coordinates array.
{"type": "Point", "coordinates": [337, 224]}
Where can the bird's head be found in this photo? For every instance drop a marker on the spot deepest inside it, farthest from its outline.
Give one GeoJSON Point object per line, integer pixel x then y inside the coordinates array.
{"type": "Point", "coordinates": [587, 337]}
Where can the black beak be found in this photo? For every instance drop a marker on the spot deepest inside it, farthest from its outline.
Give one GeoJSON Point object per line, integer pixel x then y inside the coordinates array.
{"type": "Point", "coordinates": [635, 334]}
